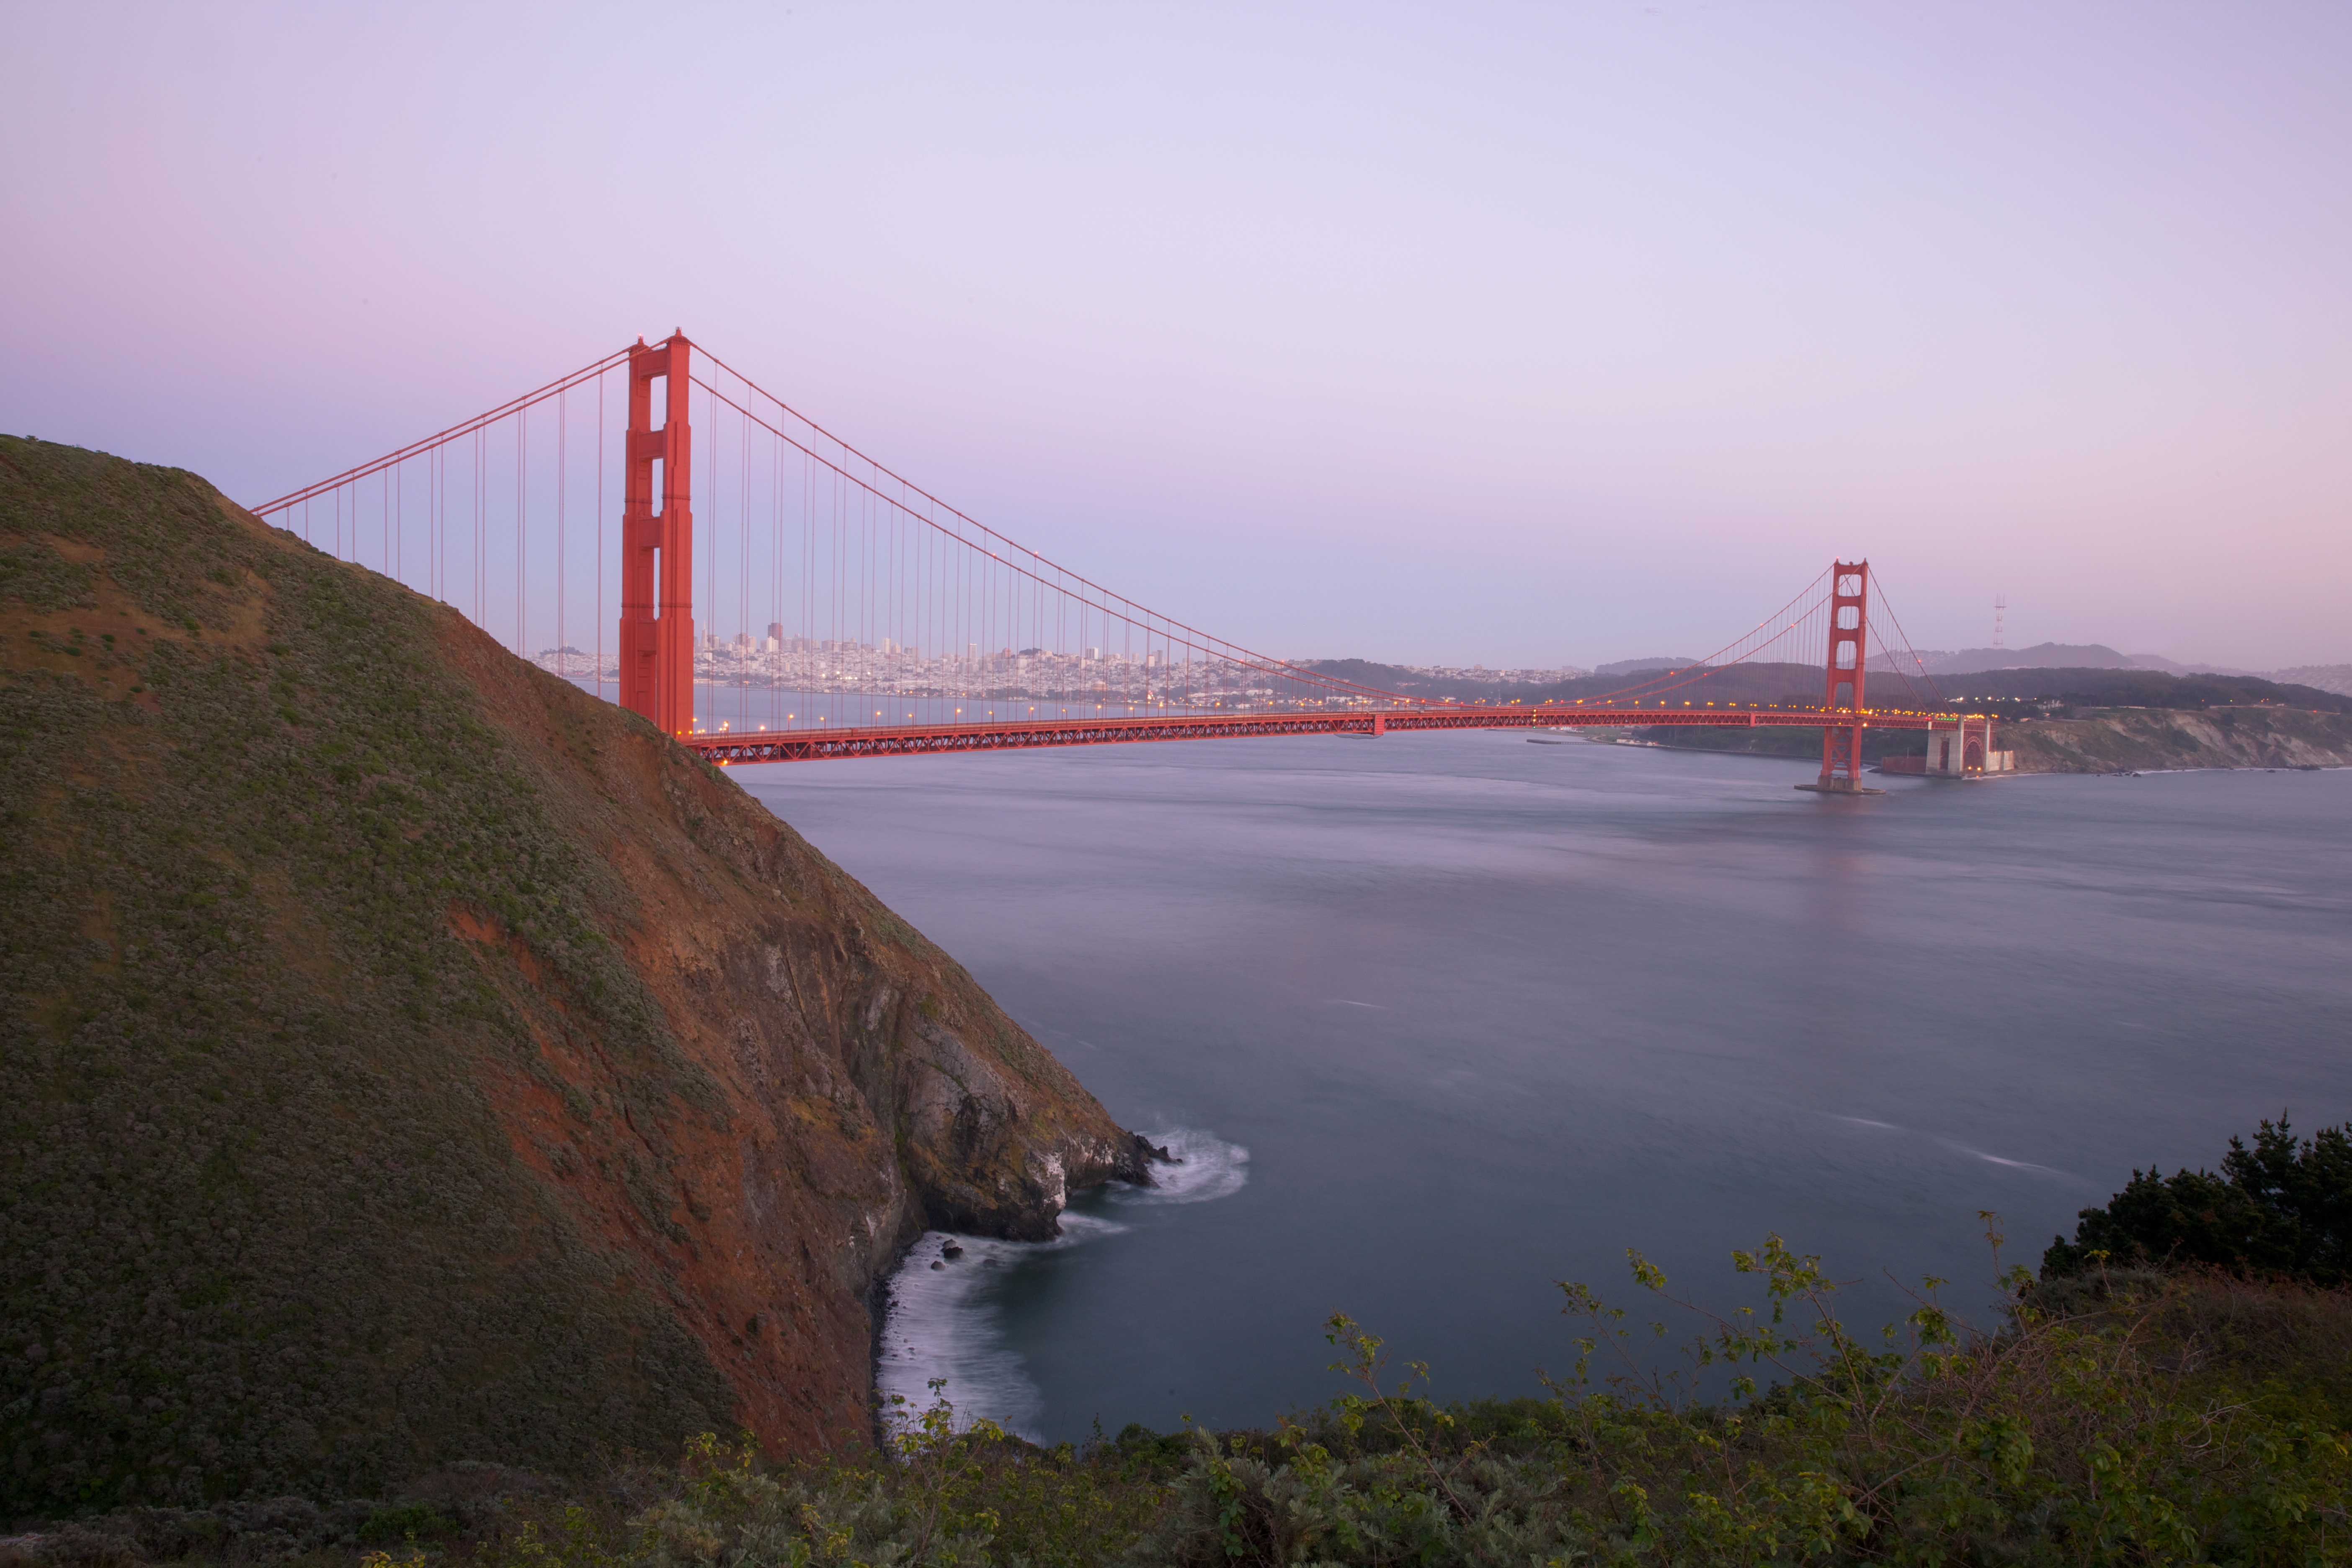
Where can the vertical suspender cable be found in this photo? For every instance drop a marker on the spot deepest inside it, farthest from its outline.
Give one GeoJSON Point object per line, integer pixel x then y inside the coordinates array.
{"type": "Point", "coordinates": [482, 531]}
{"type": "Point", "coordinates": [522, 575]}
{"type": "Point", "coordinates": [563, 422]}
{"type": "Point", "coordinates": [743, 581]}
{"type": "Point", "coordinates": [600, 532]}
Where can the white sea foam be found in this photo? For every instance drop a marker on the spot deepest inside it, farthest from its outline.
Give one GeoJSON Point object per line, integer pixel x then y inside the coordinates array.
{"type": "Point", "coordinates": [943, 1323]}
{"type": "Point", "coordinates": [1206, 1167]}
{"type": "Point", "coordinates": [946, 1324]}
{"type": "Point", "coordinates": [1960, 1148]}
{"type": "Point", "coordinates": [1998, 1159]}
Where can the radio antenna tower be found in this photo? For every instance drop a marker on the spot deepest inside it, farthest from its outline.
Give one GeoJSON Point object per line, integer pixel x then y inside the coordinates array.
{"type": "Point", "coordinates": [2000, 607]}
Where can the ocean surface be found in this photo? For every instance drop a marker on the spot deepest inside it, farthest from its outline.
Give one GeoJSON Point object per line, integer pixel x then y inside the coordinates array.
{"type": "Point", "coordinates": [1435, 1021]}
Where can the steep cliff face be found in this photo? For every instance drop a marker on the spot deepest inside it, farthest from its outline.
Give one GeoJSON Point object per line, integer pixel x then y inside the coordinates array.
{"type": "Point", "coordinates": [2249, 737]}
{"type": "Point", "coordinates": [405, 1057]}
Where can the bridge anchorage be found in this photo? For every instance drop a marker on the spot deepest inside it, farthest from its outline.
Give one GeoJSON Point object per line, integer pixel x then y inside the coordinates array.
{"type": "Point", "coordinates": [896, 625]}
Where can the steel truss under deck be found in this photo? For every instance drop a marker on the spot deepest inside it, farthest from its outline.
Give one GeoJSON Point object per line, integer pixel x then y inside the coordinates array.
{"type": "Point", "coordinates": [733, 748]}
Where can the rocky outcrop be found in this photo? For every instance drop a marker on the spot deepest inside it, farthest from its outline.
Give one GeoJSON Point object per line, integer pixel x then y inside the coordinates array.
{"type": "Point", "coordinates": [2107, 740]}
{"type": "Point", "coordinates": [406, 1057]}
{"type": "Point", "coordinates": [869, 1088]}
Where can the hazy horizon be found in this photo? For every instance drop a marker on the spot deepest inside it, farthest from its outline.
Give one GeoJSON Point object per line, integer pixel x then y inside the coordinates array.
{"type": "Point", "coordinates": [1498, 334]}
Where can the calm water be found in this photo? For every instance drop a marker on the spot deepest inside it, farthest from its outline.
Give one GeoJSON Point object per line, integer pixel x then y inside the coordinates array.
{"type": "Point", "coordinates": [1439, 1019]}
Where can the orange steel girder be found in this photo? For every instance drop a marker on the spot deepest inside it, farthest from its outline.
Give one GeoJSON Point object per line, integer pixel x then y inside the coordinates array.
{"type": "Point", "coordinates": [1842, 680]}
{"type": "Point", "coordinates": [741, 747]}
{"type": "Point", "coordinates": [657, 547]}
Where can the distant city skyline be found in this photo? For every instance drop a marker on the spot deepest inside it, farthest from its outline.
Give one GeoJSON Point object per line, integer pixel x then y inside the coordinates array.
{"type": "Point", "coordinates": [1524, 336]}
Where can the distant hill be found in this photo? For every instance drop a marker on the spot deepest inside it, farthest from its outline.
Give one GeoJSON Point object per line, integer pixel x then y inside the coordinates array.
{"type": "Point", "coordinates": [1654, 683]}
{"type": "Point", "coordinates": [1461, 686]}
{"type": "Point", "coordinates": [1364, 672]}
{"type": "Point", "coordinates": [2334, 678]}
{"type": "Point", "coordinates": [2174, 666]}
{"type": "Point", "coordinates": [2098, 656]}
{"type": "Point", "coordinates": [406, 1057]}
{"type": "Point", "coordinates": [2141, 688]}
{"type": "Point", "coordinates": [1800, 683]}
{"type": "Point", "coordinates": [1628, 665]}
{"type": "Point", "coordinates": [2042, 656]}
{"type": "Point", "coordinates": [1767, 683]}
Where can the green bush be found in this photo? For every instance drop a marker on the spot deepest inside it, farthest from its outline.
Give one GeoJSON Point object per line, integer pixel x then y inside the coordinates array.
{"type": "Point", "coordinates": [407, 1522]}
{"type": "Point", "coordinates": [2135, 1417]}
{"type": "Point", "coordinates": [2122, 1417]}
{"type": "Point", "coordinates": [2279, 1208]}
{"type": "Point", "coordinates": [2085, 1438]}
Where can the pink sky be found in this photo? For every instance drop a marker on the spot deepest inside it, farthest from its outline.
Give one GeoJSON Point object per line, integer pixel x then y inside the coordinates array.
{"type": "Point", "coordinates": [1527, 334]}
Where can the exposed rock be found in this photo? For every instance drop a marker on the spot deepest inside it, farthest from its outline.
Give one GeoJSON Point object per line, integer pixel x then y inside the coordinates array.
{"type": "Point", "coordinates": [2113, 739]}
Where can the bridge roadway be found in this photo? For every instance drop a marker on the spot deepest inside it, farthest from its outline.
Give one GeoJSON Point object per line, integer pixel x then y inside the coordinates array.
{"type": "Point", "coordinates": [738, 747]}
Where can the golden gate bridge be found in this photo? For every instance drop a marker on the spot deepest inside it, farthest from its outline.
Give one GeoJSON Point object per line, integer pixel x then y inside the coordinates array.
{"type": "Point", "coordinates": [891, 619]}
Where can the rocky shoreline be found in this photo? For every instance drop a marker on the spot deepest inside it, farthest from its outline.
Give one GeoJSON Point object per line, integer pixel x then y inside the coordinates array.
{"type": "Point", "coordinates": [2090, 740]}
{"type": "Point", "coordinates": [2140, 740]}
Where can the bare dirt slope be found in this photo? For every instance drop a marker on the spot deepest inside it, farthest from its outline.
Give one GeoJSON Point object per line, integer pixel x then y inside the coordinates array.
{"type": "Point", "coordinates": [406, 1057]}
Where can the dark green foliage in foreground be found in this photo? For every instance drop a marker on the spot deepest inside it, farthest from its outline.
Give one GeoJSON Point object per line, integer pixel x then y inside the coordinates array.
{"type": "Point", "coordinates": [2160, 1420]}
{"type": "Point", "coordinates": [259, 1230]}
{"type": "Point", "coordinates": [2132, 1417]}
{"type": "Point", "coordinates": [2069, 1437]}
{"type": "Point", "coordinates": [2279, 1208]}
{"type": "Point", "coordinates": [466, 1503]}
{"type": "Point", "coordinates": [2079, 1434]}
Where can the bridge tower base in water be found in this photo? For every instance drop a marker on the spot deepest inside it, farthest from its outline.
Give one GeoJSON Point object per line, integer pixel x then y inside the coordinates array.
{"type": "Point", "coordinates": [657, 546]}
{"type": "Point", "coordinates": [1841, 701]}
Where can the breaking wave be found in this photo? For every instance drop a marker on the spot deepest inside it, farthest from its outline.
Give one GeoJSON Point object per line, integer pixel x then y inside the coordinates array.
{"type": "Point", "coordinates": [1206, 1167]}
{"type": "Point", "coordinates": [943, 1322]}
{"type": "Point", "coordinates": [943, 1317]}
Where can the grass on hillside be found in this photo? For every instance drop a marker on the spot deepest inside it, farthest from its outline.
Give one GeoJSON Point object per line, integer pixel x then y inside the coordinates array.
{"type": "Point", "coordinates": [240, 1251]}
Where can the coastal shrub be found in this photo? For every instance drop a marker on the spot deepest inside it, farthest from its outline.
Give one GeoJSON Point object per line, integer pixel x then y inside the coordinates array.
{"type": "Point", "coordinates": [2113, 1434]}
{"type": "Point", "coordinates": [2119, 1416]}
{"type": "Point", "coordinates": [942, 1494]}
{"type": "Point", "coordinates": [2139, 1416]}
{"type": "Point", "coordinates": [407, 1522]}
{"type": "Point", "coordinates": [2281, 1208]}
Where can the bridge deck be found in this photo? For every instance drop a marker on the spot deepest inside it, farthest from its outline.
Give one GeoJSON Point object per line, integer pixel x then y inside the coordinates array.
{"type": "Point", "coordinates": [728, 748]}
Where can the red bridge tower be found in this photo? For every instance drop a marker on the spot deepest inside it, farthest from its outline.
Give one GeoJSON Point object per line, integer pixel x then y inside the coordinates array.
{"type": "Point", "coordinates": [657, 547]}
{"type": "Point", "coordinates": [1842, 680]}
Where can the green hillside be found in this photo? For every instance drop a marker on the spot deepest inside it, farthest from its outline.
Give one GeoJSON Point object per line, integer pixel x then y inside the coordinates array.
{"type": "Point", "coordinates": [407, 1058]}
